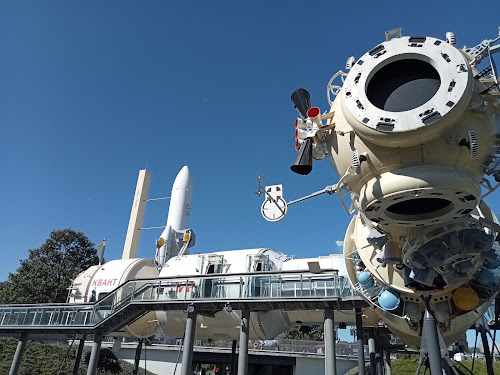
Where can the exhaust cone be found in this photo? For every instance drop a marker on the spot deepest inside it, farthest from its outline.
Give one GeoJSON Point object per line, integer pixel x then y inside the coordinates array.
{"type": "Point", "coordinates": [303, 162]}
{"type": "Point", "coordinates": [302, 101]}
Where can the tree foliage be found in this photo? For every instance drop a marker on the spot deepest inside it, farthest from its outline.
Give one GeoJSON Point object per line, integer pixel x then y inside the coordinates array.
{"type": "Point", "coordinates": [49, 359]}
{"type": "Point", "coordinates": [47, 273]}
{"type": "Point", "coordinates": [310, 333]}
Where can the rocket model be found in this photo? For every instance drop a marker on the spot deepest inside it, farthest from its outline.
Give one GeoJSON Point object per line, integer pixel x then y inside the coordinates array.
{"type": "Point", "coordinates": [97, 281]}
{"type": "Point", "coordinates": [412, 133]}
{"type": "Point", "coordinates": [177, 237]}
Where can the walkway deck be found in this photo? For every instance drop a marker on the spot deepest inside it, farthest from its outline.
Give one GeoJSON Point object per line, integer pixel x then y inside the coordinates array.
{"type": "Point", "coordinates": [263, 291]}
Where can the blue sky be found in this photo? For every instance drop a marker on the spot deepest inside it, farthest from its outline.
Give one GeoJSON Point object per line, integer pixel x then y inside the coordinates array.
{"type": "Point", "coordinates": [92, 92]}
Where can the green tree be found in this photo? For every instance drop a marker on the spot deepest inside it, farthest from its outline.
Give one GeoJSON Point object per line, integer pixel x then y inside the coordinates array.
{"type": "Point", "coordinates": [311, 333]}
{"type": "Point", "coordinates": [47, 273]}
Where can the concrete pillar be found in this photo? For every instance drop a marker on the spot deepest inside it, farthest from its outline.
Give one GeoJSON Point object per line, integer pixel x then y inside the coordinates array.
{"type": "Point", "coordinates": [137, 358]}
{"type": "Point", "coordinates": [387, 357]}
{"type": "Point", "coordinates": [94, 355]}
{"type": "Point", "coordinates": [361, 341]}
{"type": "Point", "coordinates": [243, 351]}
{"type": "Point", "coordinates": [329, 331]}
{"type": "Point", "coordinates": [79, 355]}
{"type": "Point", "coordinates": [117, 344]}
{"type": "Point", "coordinates": [18, 356]}
{"type": "Point", "coordinates": [187, 353]}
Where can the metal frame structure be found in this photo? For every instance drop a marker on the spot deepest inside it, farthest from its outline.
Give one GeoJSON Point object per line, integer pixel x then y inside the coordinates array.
{"type": "Point", "coordinates": [262, 291]}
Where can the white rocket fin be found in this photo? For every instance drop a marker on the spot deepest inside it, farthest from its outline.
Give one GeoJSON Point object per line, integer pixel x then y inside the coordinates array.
{"type": "Point", "coordinates": [188, 240]}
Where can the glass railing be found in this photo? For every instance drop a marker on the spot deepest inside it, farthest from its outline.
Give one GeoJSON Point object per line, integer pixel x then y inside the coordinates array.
{"type": "Point", "coordinates": [265, 285]}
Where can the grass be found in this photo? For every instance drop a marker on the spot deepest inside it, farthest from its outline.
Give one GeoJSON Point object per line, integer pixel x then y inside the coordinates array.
{"type": "Point", "coordinates": [408, 366]}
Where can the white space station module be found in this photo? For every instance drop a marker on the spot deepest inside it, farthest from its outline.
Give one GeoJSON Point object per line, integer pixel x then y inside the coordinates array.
{"type": "Point", "coordinates": [412, 134]}
{"type": "Point", "coordinates": [173, 259]}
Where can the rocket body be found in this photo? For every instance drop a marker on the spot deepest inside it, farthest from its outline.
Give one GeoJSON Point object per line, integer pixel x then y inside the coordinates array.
{"type": "Point", "coordinates": [178, 216]}
{"type": "Point", "coordinates": [180, 200]}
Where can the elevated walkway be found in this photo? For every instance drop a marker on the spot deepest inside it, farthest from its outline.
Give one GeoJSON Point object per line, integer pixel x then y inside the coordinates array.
{"type": "Point", "coordinates": [263, 291]}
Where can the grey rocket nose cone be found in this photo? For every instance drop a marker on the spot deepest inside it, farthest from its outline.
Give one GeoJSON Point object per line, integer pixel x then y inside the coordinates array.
{"type": "Point", "coordinates": [302, 101]}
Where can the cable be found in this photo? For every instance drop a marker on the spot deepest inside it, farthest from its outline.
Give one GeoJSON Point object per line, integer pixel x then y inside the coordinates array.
{"type": "Point", "coordinates": [494, 345]}
{"type": "Point", "coordinates": [145, 356]}
{"type": "Point", "coordinates": [66, 356]}
{"type": "Point", "coordinates": [179, 354]}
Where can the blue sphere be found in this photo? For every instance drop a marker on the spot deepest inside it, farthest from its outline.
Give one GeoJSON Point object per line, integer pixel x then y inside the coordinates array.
{"type": "Point", "coordinates": [388, 300]}
{"type": "Point", "coordinates": [365, 280]}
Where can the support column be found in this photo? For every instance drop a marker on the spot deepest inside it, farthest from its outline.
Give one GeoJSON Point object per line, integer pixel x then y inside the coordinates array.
{"type": "Point", "coordinates": [187, 353]}
{"type": "Point", "coordinates": [432, 343]}
{"type": "Point", "coordinates": [371, 352]}
{"type": "Point", "coordinates": [18, 356]}
{"type": "Point", "coordinates": [486, 349]}
{"type": "Point", "coordinates": [361, 342]}
{"type": "Point", "coordinates": [137, 358]}
{"type": "Point", "coordinates": [379, 353]}
{"type": "Point", "coordinates": [329, 331]}
{"type": "Point", "coordinates": [233, 358]}
{"type": "Point", "coordinates": [94, 354]}
{"type": "Point", "coordinates": [387, 360]}
{"type": "Point", "coordinates": [117, 344]}
{"type": "Point", "coordinates": [243, 351]}
{"type": "Point", "coordinates": [79, 354]}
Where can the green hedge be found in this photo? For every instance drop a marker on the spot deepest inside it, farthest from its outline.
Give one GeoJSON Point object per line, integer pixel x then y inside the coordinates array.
{"type": "Point", "coordinates": [46, 359]}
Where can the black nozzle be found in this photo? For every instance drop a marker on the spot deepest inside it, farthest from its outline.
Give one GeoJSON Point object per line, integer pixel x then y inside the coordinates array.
{"type": "Point", "coordinates": [302, 101]}
{"type": "Point", "coordinates": [303, 162]}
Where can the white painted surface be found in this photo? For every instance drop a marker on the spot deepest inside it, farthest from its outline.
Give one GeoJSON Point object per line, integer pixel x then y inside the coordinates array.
{"type": "Point", "coordinates": [179, 212]}
{"type": "Point", "coordinates": [316, 365]}
{"type": "Point", "coordinates": [137, 215]}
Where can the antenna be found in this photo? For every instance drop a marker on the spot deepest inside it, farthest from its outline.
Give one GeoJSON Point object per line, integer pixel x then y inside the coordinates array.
{"type": "Point", "coordinates": [259, 186]}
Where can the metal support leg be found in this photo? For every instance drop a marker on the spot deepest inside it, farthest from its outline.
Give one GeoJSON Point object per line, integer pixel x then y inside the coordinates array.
{"type": "Point", "coordinates": [233, 358]}
{"type": "Point", "coordinates": [334, 349]}
{"type": "Point", "coordinates": [187, 353]}
{"type": "Point", "coordinates": [137, 358]}
{"type": "Point", "coordinates": [433, 347]}
{"type": "Point", "coordinates": [94, 355]}
{"type": "Point", "coordinates": [117, 344]}
{"type": "Point", "coordinates": [432, 343]}
{"type": "Point", "coordinates": [371, 352]}
{"type": "Point", "coordinates": [329, 343]}
{"type": "Point", "coordinates": [243, 352]}
{"type": "Point", "coordinates": [379, 353]}
{"type": "Point", "coordinates": [361, 342]}
{"type": "Point", "coordinates": [18, 356]}
{"type": "Point", "coordinates": [387, 360]}
{"type": "Point", "coordinates": [486, 349]}
{"type": "Point", "coordinates": [79, 355]}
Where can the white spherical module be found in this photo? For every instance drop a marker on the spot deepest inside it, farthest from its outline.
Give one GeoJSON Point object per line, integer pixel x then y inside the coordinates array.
{"type": "Point", "coordinates": [422, 123]}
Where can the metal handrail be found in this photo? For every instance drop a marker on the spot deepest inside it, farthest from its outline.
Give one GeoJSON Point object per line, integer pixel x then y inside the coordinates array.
{"type": "Point", "coordinates": [248, 286]}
